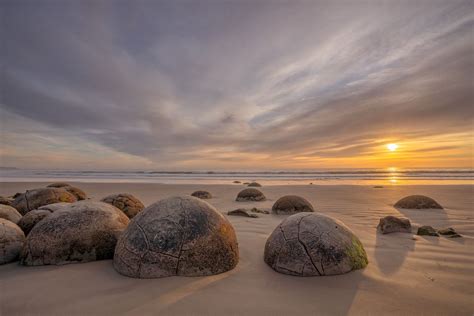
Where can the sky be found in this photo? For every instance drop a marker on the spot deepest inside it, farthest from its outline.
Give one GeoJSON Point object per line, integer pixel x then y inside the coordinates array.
{"type": "Point", "coordinates": [236, 85]}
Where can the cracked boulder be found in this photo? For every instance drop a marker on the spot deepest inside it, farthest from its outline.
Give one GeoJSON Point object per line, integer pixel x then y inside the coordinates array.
{"type": "Point", "coordinates": [32, 218]}
{"type": "Point", "coordinates": [33, 199]}
{"type": "Point", "coordinates": [79, 232]}
{"type": "Point", "coordinates": [312, 244]}
{"type": "Point", "coordinates": [182, 236]}
{"type": "Point", "coordinates": [78, 193]}
{"type": "Point", "coordinates": [128, 203]}
{"type": "Point", "coordinates": [291, 204]}
{"type": "Point", "coordinates": [9, 213]}
{"type": "Point", "coordinates": [392, 224]}
{"type": "Point", "coordinates": [202, 195]}
{"type": "Point", "coordinates": [250, 195]}
{"type": "Point", "coordinates": [11, 241]}
{"type": "Point", "coordinates": [417, 202]}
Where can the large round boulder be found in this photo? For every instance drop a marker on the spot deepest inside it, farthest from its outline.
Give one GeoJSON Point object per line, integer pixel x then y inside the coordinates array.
{"type": "Point", "coordinates": [9, 213]}
{"type": "Point", "coordinates": [54, 207]}
{"type": "Point", "coordinates": [12, 240]}
{"type": "Point", "coordinates": [291, 204]}
{"type": "Point", "coordinates": [312, 244]}
{"type": "Point", "coordinates": [80, 232]}
{"type": "Point", "coordinates": [78, 193]}
{"type": "Point", "coordinates": [417, 202]}
{"type": "Point", "coordinates": [33, 199]}
{"type": "Point", "coordinates": [129, 204]}
{"type": "Point", "coordinates": [202, 194]}
{"type": "Point", "coordinates": [58, 185]}
{"type": "Point", "coordinates": [250, 195]}
{"type": "Point", "coordinates": [32, 218]}
{"type": "Point", "coordinates": [183, 236]}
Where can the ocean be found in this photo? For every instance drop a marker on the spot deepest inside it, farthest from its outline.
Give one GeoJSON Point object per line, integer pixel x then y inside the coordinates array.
{"type": "Point", "coordinates": [301, 177]}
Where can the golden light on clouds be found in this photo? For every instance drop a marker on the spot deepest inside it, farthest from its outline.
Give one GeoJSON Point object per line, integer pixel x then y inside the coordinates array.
{"type": "Point", "coordinates": [392, 147]}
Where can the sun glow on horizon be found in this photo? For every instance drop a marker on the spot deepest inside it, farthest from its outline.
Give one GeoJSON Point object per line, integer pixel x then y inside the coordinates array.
{"type": "Point", "coordinates": [392, 147]}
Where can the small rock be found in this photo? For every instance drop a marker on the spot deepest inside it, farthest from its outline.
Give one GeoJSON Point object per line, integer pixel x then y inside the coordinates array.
{"type": "Point", "coordinates": [237, 181]}
{"type": "Point", "coordinates": [204, 195]}
{"type": "Point", "coordinates": [246, 182]}
{"type": "Point", "coordinates": [449, 232]}
{"type": "Point", "coordinates": [254, 184]}
{"type": "Point", "coordinates": [427, 231]}
{"type": "Point", "coordinates": [378, 187]}
{"type": "Point", "coordinates": [256, 210]}
{"type": "Point", "coordinates": [392, 224]}
{"type": "Point", "coordinates": [250, 195]}
{"type": "Point", "coordinates": [242, 212]}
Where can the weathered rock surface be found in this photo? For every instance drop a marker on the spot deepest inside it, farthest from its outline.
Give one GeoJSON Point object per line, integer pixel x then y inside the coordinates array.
{"type": "Point", "coordinates": [126, 202]}
{"type": "Point", "coordinates": [78, 193]}
{"type": "Point", "coordinates": [33, 199]}
{"type": "Point", "coordinates": [254, 184]}
{"type": "Point", "coordinates": [59, 185]}
{"type": "Point", "coordinates": [79, 232]}
{"type": "Point", "coordinates": [9, 213]}
{"type": "Point", "coordinates": [54, 207]}
{"type": "Point", "coordinates": [12, 240]}
{"type": "Point", "coordinates": [449, 232]}
{"type": "Point", "coordinates": [32, 218]}
{"type": "Point", "coordinates": [250, 195]}
{"type": "Point", "coordinates": [417, 202]}
{"type": "Point", "coordinates": [242, 212]}
{"type": "Point", "coordinates": [183, 236]}
{"type": "Point", "coordinates": [291, 204]}
{"type": "Point", "coordinates": [6, 200]}
{"type": "Point", "coordinates": [202, 194]}
{"type": "Point", "coordinates": [311, 244]}
{"type": "Point", "coordinates": [392, 224]}
{"type": "Point", "coordinates": [427, 231]}
{"type": "Point", "coordinates": [256, 210]}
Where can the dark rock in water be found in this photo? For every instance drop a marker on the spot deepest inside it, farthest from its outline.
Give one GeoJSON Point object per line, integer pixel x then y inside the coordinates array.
{"type": "Point", "coordinates": [256, 210]}
{"type": "Point", "coordinates": [58, 185]}
{"type": "Point", "coordinates": [392, 224]}
{"type": "Point", "coordinates": [183, 236]}
{"type": "Point", "coordinates": [12, 240]}
{"type": "Point", "coordinates": [449, 232]}
{"type": "Point", "coordinates": [417, 202]}
{"type": "Point", "coordinates": [291, 204]}
{"type": "Point", "coordinates": [33, 199]}
{"type": "Point", "coordinates": [9, 213]}
{"type": "Point", "coordinates": [127, 203]}
{"type": "Point", "coordinates": [237, 181]}
{"type": "Point", "coordinates": [254, 184]}
{"type": "Point", "coordinates": [250, 195]}
{"type": "Point", "coordinates": [311, 244]}
{"type": "Point", "coordinates": [242, 212]}
{"type": "Point", "coordinates": [5, 200]}
{"type": "Point", "coordinates": [32, 218]}
{"type": "Point", "coordinates": [80, 232]}
{"type": "Point", "coordinates": [427, 231]}
{"type": "Point", "coordinates": [378, 187]}
{"type": "Point", "coordinates": [202, 195]}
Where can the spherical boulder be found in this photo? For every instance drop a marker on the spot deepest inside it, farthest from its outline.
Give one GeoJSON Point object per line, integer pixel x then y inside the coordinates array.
{"type": "Point", "coordinates": [312, 244]}
{"type": "Point", "coordinates": [202, 195]}
{"type": "Point", "coordinates": [183, 236]}
{"type": "Point", "coordinates": [254, 184]}
{"type": "Point", "coordinates": [129, 204]}
{"type": "Point", "coordinates": [291, 204]}
{"type": "Point", "coordinates": [417, 202]}
{"type": "Point", "coordinates": [250, 195]}
{"type": "Point", "coordinates": [80, 232]}
{"type": "Point", "coordinates": [78, 193]}
{"type": "Point", "coordinates": [33, 199]}
{"type": "Point", "coordinates": [59, 185]}
{"type": "Point", "coordinates": [32, 218]}
{"type": "Point", "coordinates": [5, 200]}
{"type": "Point", "coordinates": [9, 213]}
{"type": "Point", "coordinates": [12, 240]}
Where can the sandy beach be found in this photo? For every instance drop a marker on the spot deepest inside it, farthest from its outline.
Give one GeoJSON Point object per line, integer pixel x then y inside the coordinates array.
{"type": "Point", "coordinates": [406, 274]}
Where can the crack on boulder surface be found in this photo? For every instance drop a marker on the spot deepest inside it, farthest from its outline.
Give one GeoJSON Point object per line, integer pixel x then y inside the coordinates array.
{"type": "Point", "coordinates": [304, 246]}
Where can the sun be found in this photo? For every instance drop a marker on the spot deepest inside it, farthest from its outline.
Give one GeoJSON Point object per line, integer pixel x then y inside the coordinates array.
{"type": "Point", "coordinates": [392, 147]}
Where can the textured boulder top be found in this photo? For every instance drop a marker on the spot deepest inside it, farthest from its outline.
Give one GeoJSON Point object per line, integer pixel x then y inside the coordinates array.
{"type": "Point", "coordinates": [254, 184]}
{"type": "Point", "coordinates": [392, 224]}
{"type": "Point", "coordinates": [202, 194]}
{"type": "Point", "coordinates": [54, 207]}
{"type": "Point", "coordinates": [182, 236]}
{"type": "Point", "coordinates": [250, 195]}
{"type": "Point", "coordinates": [79, 232]}
{"type": "Point", "coordinates": [12, 240]}
{"type": "Point", "coordinates": [59, 185]}
{"type": "Point", "coordinates": [312, 244]}
{"type": "Point", "coordinates": [5, 200]}
{"type": "Point", "coordinates": [417, 202]}
{"type": "Point", "coordinates": [9, 213]}
{"type": "Point", "coordinates": [291, 204]}
{"type": "Point", "coordinates": [32, 218]}
{"type": "Point", "coordinates": [126, 202]}
{"type": "Point", "coordinates": [33, 199]}
{"type": "Point", "coordinates": [78, 193]}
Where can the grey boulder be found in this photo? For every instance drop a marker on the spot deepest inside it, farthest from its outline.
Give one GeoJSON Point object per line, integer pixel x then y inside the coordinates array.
{"type": "Point", "coordinates": [33, 199]}
{"type": "Point", "coordinates": [392, 224]}
{"type": "Point", "coordinates": [182, 236]}
{"type": "Point", "coordinates": [291, 204]}
{"type": "Point", "coordinates": [9, 213]}
{"type": "Point", "coordinates": [128, 203]}
{"type": "Point", "coordinates": [250, 195]}
{"type": "Point", "coordinates": [80, 232]}
{"type": "Point", "coordinates": [417, 202]}
{"type": "Point", "coordinates": [12, 240]}
{"type": "Point", "coordinates": [312, 244]}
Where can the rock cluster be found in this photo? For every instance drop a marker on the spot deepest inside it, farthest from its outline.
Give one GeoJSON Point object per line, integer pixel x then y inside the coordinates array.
{"type": "Point", "coordinates": [33, 199]}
